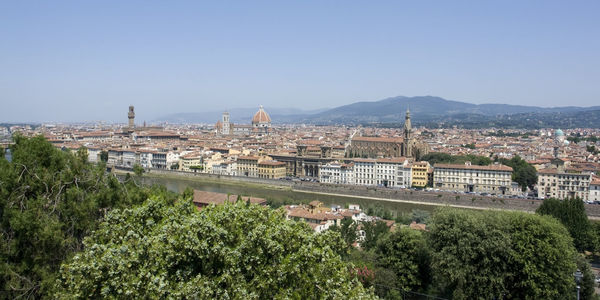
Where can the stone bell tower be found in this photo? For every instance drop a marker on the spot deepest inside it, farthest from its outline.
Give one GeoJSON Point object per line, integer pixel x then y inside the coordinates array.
{"type": "Point", "coordinates": [407, 144]}
{"type": "Point", "coordinates": [131, 116]}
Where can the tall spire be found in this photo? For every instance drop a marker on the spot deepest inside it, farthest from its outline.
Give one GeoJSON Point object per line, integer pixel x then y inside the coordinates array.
{"type": "Point", "coordinates": [407, 126]}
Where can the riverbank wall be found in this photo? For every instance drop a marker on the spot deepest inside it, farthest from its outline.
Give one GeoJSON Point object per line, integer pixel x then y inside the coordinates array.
{"type": "Point", "coordinates": [379, 193]}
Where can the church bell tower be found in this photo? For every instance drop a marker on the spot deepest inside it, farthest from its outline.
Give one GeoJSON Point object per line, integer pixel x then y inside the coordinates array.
{"type": "Point", "coordinates": [408, 141]}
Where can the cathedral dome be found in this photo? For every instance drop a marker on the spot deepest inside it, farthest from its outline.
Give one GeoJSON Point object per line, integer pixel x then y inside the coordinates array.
{"type": "Point", "coordinates": [261, 117]}
{"type": "Point", "coordinates": [559, 133]}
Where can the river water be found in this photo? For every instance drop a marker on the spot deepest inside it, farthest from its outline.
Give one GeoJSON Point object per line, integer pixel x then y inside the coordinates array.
{"type": "Point", "coordinates": [278, 197]}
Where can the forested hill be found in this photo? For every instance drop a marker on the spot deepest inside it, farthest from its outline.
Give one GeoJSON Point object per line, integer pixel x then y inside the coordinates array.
{"type": "Point", "coordinates": [438, 112]}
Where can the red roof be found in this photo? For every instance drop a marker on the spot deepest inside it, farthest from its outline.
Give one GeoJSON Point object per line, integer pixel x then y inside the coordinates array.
{"type": "Point", "coordinates": [261, 116]}
{"type": "Point", "coordinates": [202, 198]}
{"type": "Point", "coordinates": [378, 139]}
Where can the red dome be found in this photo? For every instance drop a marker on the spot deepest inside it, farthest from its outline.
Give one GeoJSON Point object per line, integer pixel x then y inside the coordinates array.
{"type": "Point", "coordinates": [261, 116]}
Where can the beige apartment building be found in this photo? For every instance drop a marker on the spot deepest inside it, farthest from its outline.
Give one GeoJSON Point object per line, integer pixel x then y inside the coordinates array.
{"type": "Point", "coordinates": [493, 179]}
{"type": "Point", "coordinates": [554, 183]}
{"type": "Point", "coordinates": [190, 160]}
{"type": "Point", "coordinates": [419, 173]}
{"type": "Point", "coordinates": [271, 169]}
{"type": "Point", "coordinates": [248, 166]}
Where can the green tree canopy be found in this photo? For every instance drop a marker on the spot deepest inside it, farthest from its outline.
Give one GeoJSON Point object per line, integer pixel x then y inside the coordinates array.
{"type": "Point", "coordinates": [523, 173]}
{"type": "Point", "coordinates": [495, 254]}
{"type": "Point", "coordinates": [161, 249]}
{"type": "Point", "coordinates": [348, 231]}
{"type": "Point", "coordinates": [405, 253]}
{"type": "Point", "coordinates": [373, 231]}
{"type": "Point", "coordinates": [49, 201]}
{"type": "Point", "coordinates": [571, 213]}
{"type": "Point", "coordinates": [138, 170]}
{"type": "Point", "coordinates": [420, 216]}
{"type": "Point", "coordinates": [445, 158]}
{"type": "Point", "coordinates": [104, 156]}
{"type": "Point", "coordinates": [588, 281]}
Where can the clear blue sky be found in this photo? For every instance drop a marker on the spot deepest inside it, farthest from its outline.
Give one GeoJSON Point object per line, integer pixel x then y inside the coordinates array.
{"type": "Point", "coordinates": [89, 60]}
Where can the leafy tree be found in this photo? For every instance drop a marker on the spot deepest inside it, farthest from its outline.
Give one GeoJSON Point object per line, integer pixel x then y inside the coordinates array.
{"type": "Point", "coordinates": [445, 158]}
{"type": "Point", "coordinates": [373, 231]}
{"type": "Point", "coordinates": [437, 157]}
{"type": "Point", "coordinates": [588, 281]}
{"type": "Point", "coordinates": [523, 173]}
{"type": "Point", "coordinates": [405, 253]}
{"type": "Point", "coordinates": [196, 168]}
{"type": "Point", "coordinates": [386, 284]}
{"type": "Point", "coordinates": [138, 170]}
{"type": "Point", "coordinates": [188, 193]}
{"type": "Point", "coordinates": [348, 230]}
{"type": "Point", "coordinates": [571, 213]}
{"type": "Point", "coordinates": [171, 250]}
{"type": "Point", "coordinates": [104, 156]}
{"type": "Point", "coordinates": [420, 216]}
{"type": "Point", "coordinates": [82, 154]}
{"type": "Point", "coordinates": [509, 255]}
{"type": "Point", "coordinates": [49, 201]}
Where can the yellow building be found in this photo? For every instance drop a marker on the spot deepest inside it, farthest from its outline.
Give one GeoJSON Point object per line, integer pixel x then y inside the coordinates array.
{"type": "Point", "coordinates": [247, 166]}
{"type": "Point", "coordinates": [190, 161]}
{"type": "Point", "coordinates": [419, 173]}
{"type": "Point", "coordinates": [271, 169]}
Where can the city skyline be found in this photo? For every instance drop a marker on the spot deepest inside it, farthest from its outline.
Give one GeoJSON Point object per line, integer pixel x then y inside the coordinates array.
{"type": "Point", "coordinates": [69, 61]}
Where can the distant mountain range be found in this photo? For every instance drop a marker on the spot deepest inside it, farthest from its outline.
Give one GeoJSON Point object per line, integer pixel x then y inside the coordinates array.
{"type": "Point", "coordinates": [236, 115]}
{"type": "Point", "coordinates": [425, 110]}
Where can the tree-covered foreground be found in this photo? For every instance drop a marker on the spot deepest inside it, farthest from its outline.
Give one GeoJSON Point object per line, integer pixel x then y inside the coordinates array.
{"type": "Point", "coordinates": [70, 230]}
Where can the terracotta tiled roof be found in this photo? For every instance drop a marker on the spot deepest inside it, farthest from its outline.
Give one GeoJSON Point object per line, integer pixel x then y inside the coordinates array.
{"type": "Point", "coordinates": [377, 139]}
{"type": "Point", "coordinates": [261, 116]}
{"type": "Point", "coordinates": [305, 213]}
{"type": "Point", "coordinates": [417, 226]}
{"type": "Point", "coordinates": [391, 160]}
{"type": "Point", "coordinates": [271, 163]}
{"type": "Point", "coordinates": [248, 157]}
{"type": "Point", "coordinates": [315, 203]}
{"type": "Point", "coordinates": [207, 198]}
{"type": "Point", "coordinates": [368, 160]}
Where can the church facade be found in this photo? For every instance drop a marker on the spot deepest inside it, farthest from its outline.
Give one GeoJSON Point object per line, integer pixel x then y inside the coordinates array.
{"type": "Point", "coordinates": [375, 147]}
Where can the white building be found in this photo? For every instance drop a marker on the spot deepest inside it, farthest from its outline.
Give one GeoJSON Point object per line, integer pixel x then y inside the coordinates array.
{"type": "Point", "coordinates": [115, 157]}
{"type": "Point", "coordinates": [337, 173]}
{"type": "Point", "coordinates": [146, 158]}
{"type": "Point", "coordinates": [554, 183]}
{"type": "Point", "coordinates": [129, 158]}
{"type": "Point", "coordinates": [364, 171]}
{"type": "Point", "coordinates": [173, 159]}
{"type": "Point", "coordinates": [493, 179]}
{"type": "Point", "coordinates": [225, 168]}
{"type": "Point", "coordinates": [388, 172]}
{"type": "Point", "coordinates": [93, 154]}
{"type": "Point", "coordinates": [159, 160]}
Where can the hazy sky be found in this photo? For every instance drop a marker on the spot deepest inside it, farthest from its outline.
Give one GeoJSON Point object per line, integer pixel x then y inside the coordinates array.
{"type": "Point", "coordinates": [89, 60]}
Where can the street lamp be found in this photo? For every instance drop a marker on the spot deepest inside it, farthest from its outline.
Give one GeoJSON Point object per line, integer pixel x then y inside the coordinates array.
{"type": "Point", "coordinates": [578, 276]}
